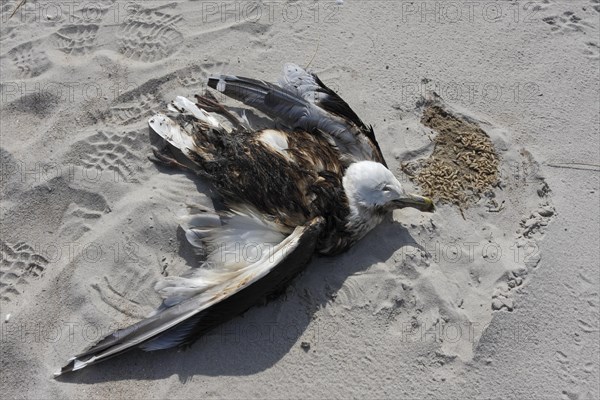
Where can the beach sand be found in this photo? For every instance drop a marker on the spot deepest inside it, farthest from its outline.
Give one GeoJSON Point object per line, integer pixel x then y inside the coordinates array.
{"type": "Point", "coordinates": [496, 299]}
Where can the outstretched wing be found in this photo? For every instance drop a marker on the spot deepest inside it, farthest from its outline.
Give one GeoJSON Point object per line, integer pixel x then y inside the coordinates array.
{"type": "Point", "coordinates": [304, 102]}
{"type": "Point", "coordinates": [200, 302]}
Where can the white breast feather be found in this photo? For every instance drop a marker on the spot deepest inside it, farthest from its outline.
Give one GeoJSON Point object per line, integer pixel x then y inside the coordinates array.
{"type": "Point", "coordinates": [275, 140]}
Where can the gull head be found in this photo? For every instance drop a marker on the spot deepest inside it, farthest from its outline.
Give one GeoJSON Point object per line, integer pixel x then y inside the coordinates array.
{"type": "Point", "coordinates": [370, 186]}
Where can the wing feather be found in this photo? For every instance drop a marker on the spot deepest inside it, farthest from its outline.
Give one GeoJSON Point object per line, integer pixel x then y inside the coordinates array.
{"type": "Point", "coordinates": [182, 323]}
{"type": "Point", "coordinates": [304, 102]}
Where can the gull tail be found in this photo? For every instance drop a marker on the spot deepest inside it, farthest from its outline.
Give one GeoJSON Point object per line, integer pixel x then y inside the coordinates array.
{"type": "Point", "coordinates": [225, 287]}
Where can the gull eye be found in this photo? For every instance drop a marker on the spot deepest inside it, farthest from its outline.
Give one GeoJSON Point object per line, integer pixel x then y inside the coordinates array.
{"type": "Point", "coordinates": [386, 189]}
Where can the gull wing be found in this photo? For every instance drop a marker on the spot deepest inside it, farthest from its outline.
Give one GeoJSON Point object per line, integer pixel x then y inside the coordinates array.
{"type": "Point", "coordinates": [304, 102]}
{"type": "Point", "coordinates": [182, 322]}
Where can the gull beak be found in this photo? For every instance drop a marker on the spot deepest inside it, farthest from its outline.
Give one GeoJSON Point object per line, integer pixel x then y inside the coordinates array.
{"type": "Point", "coordinates": [421, 203]}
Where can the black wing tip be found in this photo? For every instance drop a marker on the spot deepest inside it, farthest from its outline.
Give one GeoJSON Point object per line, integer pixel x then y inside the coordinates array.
{"type": "Point", "coordinates": [69, 368]}
{"type": "Point", "coordinates": [213, 81]}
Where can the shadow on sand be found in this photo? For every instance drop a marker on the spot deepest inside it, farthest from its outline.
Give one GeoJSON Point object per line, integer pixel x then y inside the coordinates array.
{"type": "Point", "coordinates": [259, 338]}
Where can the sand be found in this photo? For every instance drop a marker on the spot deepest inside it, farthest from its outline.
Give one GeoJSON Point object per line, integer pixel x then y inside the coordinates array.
{"type": "Point", "coordinates": [497, 298]}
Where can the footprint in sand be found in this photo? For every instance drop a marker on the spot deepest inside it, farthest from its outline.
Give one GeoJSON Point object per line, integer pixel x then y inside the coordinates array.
{"type": "Point", "coordinates": [119, 154]}
{"type": "Point", "coordinates": [532, 228]}
{"type": "Point", "coordinates": [384, 292]}
{"type": "Point", "coordinates": [592, 49]}
{"type": "Point", "coordinates": [149, 35]}
{"type": "Point", "coordinates": [29, 60]}
{"type": "Point", "coordinates": [134, 106]}
{"type": "Point", "coordinates": [582, 21]}
{"type": "Point", "coordinates": [77, 39]}
{"type": "Point", "coordinates": [48, 205]}
{"type": "Point", "coordinates": [194, 78]}
{"type": "Point", "coordinates": [142, 105]}
{"type": "Point", "coordinates": [78, 220]}
{"type": "Point", "coordinates": [19, 263]}
{"type": "Point", "coordinates": [567, 22]}
{"type": "Point", "coordinates": [191, 81]}
{"type": "Point", "coordinates": [352, 295]}
{"type": "Point", "coordinates": [144, 34]}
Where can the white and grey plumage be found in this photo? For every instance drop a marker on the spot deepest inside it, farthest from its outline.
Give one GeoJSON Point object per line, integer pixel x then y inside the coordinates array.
{"type": "Point", "coordinates": [316, 184]}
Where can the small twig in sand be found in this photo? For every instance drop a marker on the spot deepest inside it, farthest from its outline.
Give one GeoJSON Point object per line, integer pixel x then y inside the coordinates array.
{"type": "Point", "coordinates": [576, 165]}
{"type": "Point", "coordinates": [461, 212]}
{"type": "Point", "coordinates": [17, 8]}
{"type": "Point", "coordinates": [314, 55]}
